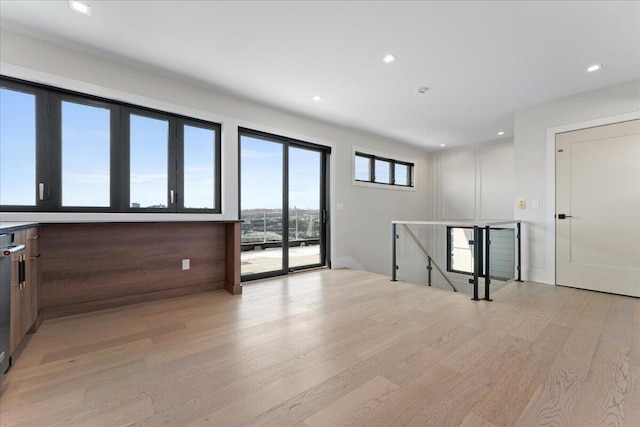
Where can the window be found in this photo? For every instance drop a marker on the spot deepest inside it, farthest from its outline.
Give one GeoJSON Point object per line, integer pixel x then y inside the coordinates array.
{"type": "Point", "coordinates": [63, 151]}
{"type": "Point", "coordinates": [460, 253]}
{"type": "Point", "coordinates": [148, 162]}
{"type": "Point", "coordinates": [86, 148]}
{"type": "Point", "coordinates": [17, 147]}
{"type": "Point", "coordinates": [200, 162]}
{"type": "Point", "coordinates": [363, 168]}
{"type": "Point", "coordinates": [380, 170]}
{"type": "Point", "coordinates": [460, 256]}
{"type": "Point", "coordinates": [402, 174]}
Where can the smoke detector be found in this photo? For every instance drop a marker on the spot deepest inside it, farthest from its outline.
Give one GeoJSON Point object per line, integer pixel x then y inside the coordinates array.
{"type": "Point", "coordinates": [422, 90]}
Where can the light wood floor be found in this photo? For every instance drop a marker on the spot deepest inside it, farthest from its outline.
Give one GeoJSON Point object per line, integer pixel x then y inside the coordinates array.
{"type": "Point", "coordinates": [339, 347]}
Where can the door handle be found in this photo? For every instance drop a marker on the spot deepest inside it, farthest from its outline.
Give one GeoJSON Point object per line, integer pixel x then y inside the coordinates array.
{"type": "Point", "coordinates": [563, 216]}
{"type": "Point", "coordinates": [22, 271]}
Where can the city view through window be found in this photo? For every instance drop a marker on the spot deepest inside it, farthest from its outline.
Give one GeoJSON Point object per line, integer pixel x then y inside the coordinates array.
{"type": "Point", "coordinates": [262, 206]}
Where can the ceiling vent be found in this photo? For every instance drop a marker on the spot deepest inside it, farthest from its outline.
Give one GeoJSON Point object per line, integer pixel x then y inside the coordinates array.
{"type": "Point", "coordinates": [422, 90]}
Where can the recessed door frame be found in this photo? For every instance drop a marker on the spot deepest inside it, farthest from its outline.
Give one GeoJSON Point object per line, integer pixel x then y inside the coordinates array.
{"type": "Point", "coordinates": [551, 183]}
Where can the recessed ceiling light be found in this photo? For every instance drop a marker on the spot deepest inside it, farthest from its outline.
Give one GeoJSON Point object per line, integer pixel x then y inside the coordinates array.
{"type": "Point", "coordinates": [79, 7]}
{"type": "Point", "coordinates": [389, 58]}
{"type": "Point", "coordinates": [594, 67]}
{"type": "Point", "coordinates": [443, 145]}
{"type": "Point", "coordinates": [501, 133]}
{"type": "Point", "coordinates": [317, 98]}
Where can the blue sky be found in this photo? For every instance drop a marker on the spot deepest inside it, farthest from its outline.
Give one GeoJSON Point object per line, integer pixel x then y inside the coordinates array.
{"type": "Point", "coordinates": [261, 180]}
{"type": "Point", "coordinates": [17, 148]}
{"type": "Point", "coordinates": [149, 156]}
{"type": "Point", "coordinates": [86, 156]}
{"type": "Point", "coordinates": [199, 164]}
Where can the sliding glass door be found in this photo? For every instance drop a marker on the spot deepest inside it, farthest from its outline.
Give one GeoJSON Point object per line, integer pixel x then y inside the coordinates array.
{"type": "Point", "coordinates": [305, 213]}
{"type": "Point", "coordinates": [283, 202]}
{"type": "Point", "coordinates": [261, 205]}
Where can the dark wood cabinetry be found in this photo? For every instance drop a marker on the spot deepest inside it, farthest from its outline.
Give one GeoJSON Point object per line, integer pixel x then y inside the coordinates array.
{"type": "Point", "coordinates": [33, 273]}
{"type": "Point", "coordinates": [66, 269]}
{"type": "Point", "coordinates": [94, 266]}
{"type": "Point", "coordinates": [25, 282]}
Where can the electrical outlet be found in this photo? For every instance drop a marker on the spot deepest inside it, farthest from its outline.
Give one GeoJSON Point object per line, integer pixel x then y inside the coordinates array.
{"type": "Point", "coordinates": [186, 264]}
{"type": "Point", "coordinates": [522, 203]}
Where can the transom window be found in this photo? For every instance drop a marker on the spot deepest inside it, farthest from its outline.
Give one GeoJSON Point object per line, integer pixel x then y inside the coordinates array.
{"type": "Point", "coordinates": [381, 170]}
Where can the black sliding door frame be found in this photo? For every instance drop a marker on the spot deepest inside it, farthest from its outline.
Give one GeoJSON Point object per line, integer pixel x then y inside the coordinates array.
{"type": "Point", "coordinates": [324, 220]}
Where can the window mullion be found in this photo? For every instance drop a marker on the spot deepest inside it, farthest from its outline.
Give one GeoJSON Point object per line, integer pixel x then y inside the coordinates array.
{"type": "Point", "coordinates": [115, 181]}
{"type": "Point", "coordinates": [43, 147]}
{"type": "Point", "coordinates": [179, 165]}
{"type": "Point", "coordinates": [53, 193]}
{"type": "Point", "coordinates": [125, 159]}
{"type": "Point", "coordinates": [372, 167]}
{"type": "Point", "coordinates": [392, 172]}
{"type": "Point", "coordinates": [173, 166]}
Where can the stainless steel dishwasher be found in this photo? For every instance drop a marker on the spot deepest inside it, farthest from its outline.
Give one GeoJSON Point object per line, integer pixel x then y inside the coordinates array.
{"type": "Point", "coordinates": [6, 251]}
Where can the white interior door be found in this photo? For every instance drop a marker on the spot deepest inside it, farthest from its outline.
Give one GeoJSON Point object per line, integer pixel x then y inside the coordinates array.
{"type": "Point", "coordinates": [598, 189]}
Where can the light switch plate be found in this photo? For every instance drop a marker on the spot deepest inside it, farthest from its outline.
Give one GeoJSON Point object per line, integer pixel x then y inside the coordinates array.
{"type": "Point", "coordinates": [535, 204]}
{"type": "Point", "coordinates": [339, 206]}
{"type": "Point", "coordinates": [522, 204]}
{"type": "Point", "coordinates": [186, 264]}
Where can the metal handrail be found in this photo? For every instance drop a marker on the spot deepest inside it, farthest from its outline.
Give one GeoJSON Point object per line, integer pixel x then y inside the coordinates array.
{"type": "Point", "coordinates": [460, 223]}
{"type": "Point", "coordinates": [477, 227]}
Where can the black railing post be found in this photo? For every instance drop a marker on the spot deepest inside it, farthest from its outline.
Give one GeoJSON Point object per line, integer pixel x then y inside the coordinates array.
{"type": "Point", "coordinates": [394, 266]}
{"type": "Point", "coordinates": [487, 263]}
{"type": "Point", "coordinates": [429, 268]}
{"type": "Point", "coordinates": [519, 237]}
{"type": "Point", "coordinates": [477, 262]}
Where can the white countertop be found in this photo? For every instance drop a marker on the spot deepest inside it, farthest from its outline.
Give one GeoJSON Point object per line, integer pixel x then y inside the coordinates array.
{"type": "Point", "coordinates": [5, 225]}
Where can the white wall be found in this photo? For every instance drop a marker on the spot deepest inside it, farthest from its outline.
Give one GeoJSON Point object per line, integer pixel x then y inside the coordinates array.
{"type": "Point", "coordinates": [474, 183]}
{"type": "Point", "coordinates": [535, 129]}
{"type": "Point", "coordinates": [360, 231]}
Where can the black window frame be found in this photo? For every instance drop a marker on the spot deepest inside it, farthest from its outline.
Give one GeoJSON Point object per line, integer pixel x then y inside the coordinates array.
{"type": "Point", "coordinates": [482, 252]}
{"type": "Point", "coordinates": [172, 164]}
{"type": "Point", "coordinates": [217, 196]}
{"type": "Point", "coordinates": [55, 152]}
{"type": "Point", "coordinates": [450, 248]}
{"type": "Point", "coordinates": [49, 100]}
{"type": "Point", "coordinates": [42, 144]}
{"type": "Point", "coordinates": [392, 170]}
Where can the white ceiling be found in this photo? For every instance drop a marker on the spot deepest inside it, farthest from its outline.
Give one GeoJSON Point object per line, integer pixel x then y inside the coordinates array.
{"type": "Point", "coordinates": [482, 60]}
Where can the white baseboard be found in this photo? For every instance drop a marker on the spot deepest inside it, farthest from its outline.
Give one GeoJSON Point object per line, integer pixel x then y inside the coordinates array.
{"type": "Point", "coordinates": [347, 262]}
{"type": "Point", "coordinates": [538, 275]}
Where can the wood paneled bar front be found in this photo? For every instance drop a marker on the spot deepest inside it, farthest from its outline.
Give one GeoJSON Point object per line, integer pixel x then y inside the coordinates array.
{"type": "Point", "coordinates": [94, 266]}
